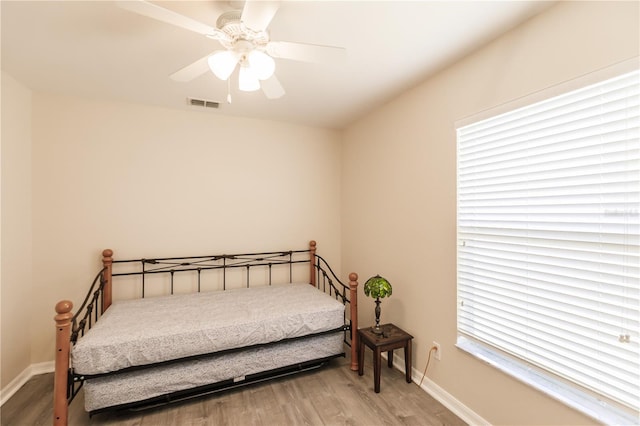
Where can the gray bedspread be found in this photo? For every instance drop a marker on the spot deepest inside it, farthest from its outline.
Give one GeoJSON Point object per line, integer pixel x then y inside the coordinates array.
{"type": "Point", "coordinates": [151, 330]}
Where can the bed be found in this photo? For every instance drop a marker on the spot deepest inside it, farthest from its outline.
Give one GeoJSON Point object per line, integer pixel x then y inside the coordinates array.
{"type": "Point", "coordinates": [190, 326]}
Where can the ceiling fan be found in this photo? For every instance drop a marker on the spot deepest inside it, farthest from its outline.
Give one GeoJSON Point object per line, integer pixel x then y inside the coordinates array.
{"type": "Point", "coordinates": [246, 45]}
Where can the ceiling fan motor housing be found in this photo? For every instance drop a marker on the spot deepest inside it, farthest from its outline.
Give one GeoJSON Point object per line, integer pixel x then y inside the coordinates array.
{"type": "Point", "coordinates": [239, 37]}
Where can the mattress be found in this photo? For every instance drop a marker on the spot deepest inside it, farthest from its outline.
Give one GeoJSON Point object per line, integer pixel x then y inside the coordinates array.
{"type": "Point", "coordinates": [140, 385]}
{"type": "Point", "coordinates": [147, 331]}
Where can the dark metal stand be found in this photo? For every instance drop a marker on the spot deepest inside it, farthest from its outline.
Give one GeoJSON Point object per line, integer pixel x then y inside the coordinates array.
{"type": "Point", "coordinates": [377, 329]}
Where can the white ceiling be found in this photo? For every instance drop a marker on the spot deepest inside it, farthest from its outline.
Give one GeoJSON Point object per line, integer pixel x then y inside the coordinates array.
{"type": "Point", "coordinates": [97, 50]}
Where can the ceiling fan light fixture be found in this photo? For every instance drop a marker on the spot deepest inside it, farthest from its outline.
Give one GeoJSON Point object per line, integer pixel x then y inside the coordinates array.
{"type": "Point", "coordinates": [262, 64]}
{"type": "Point", "coordinates": [223, 63]}
{"type": "Point", "coordinates": [248, 81]}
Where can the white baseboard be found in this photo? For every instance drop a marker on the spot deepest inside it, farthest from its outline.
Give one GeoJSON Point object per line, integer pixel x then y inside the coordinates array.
{"type": "Point", "coordinates": [22, 378]}
{"type": "Point", "coordinates": [456, 407]}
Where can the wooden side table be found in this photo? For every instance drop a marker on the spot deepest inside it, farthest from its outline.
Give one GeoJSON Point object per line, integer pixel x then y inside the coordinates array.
{"type": "Point", "coordinates": [393, 338]}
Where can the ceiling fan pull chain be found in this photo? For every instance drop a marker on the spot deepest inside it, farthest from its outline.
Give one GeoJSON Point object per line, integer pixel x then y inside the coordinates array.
{"type": "Point", "coordinates": [229, 90]}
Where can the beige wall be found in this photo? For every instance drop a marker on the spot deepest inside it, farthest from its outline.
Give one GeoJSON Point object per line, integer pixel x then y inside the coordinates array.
{"type": "Point", "coordinates": [16, 275]}
{"type": "Point", "coordinates": [146, 181]}
{"type": "Point", "coordinates": [399, 189]}
{"type": "Point", "coordinates": [151, 182]}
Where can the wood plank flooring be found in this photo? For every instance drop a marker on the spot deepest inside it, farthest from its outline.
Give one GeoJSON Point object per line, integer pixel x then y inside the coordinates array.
{"type": "Point", "coordinates": [333, 395]}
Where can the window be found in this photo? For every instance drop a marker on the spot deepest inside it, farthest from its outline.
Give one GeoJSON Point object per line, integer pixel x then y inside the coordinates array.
{"type": "Point", "coordinates": [548, 244]}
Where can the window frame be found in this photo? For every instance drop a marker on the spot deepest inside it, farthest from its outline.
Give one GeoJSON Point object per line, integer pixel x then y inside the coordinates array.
{"type": "Point", "coordinates": [554, 386]}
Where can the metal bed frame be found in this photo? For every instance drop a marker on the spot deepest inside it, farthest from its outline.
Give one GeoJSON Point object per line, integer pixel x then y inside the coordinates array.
{"type": "Point", "coordinates": [70, 327]}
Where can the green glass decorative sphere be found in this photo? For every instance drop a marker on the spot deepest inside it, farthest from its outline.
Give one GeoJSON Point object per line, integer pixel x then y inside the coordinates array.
{"type": "Point", "coordinates": [377, 287]}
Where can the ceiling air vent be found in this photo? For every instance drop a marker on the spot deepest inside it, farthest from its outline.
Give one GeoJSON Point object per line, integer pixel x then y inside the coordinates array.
{"type": "Point", "coordinates": [203, 103]}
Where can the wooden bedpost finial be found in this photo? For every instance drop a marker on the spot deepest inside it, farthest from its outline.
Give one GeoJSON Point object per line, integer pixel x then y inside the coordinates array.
{"type": "Point", "coordinates": [63, 308]}
{"type": "Point", "coordinates": [312, 245]}
{"type": "Point", "coordinates": [107, 253]}
{"type": "Point", "coordinates": [353, 277]}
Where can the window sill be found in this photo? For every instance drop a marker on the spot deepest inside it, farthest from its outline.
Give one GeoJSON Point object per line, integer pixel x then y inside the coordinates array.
{"type": "Point", "coordinates": [591, 406]}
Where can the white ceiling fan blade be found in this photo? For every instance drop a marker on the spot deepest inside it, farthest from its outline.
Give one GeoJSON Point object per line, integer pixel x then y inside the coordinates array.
{"type": "Point", "coordinates": [193, 70]}
{"type": "Point", "coordinates": [151, 10]}
{"type": "Point", "coordinates": [272, 88]}
{"type": "Point", "coordinates": [306, 52]}
{"type": "Point", "coordinates": [257, 15]}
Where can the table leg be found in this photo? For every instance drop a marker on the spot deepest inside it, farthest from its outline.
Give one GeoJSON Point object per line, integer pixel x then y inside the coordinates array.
{"type": "Point", "coordinates": [407, 360]}
{"type": "Point", "coordinates": [376, 369]}
{"type": "Point", "coordinates": [390, 358]}
{"type": "Point", "coordinates": [360, 357]}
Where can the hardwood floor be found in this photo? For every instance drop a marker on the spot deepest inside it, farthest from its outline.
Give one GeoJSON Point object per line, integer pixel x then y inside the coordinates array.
{"type": "Point", "coordinates": [333, 395]}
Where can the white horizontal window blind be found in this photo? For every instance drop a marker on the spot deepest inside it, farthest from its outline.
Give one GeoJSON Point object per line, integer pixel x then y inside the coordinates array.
{"type": "Point", "coordinates": [548, 231]}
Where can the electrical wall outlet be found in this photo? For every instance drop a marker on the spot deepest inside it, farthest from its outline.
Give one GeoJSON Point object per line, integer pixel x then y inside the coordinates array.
{"type": "Point", "coordinates": [438, 352]}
